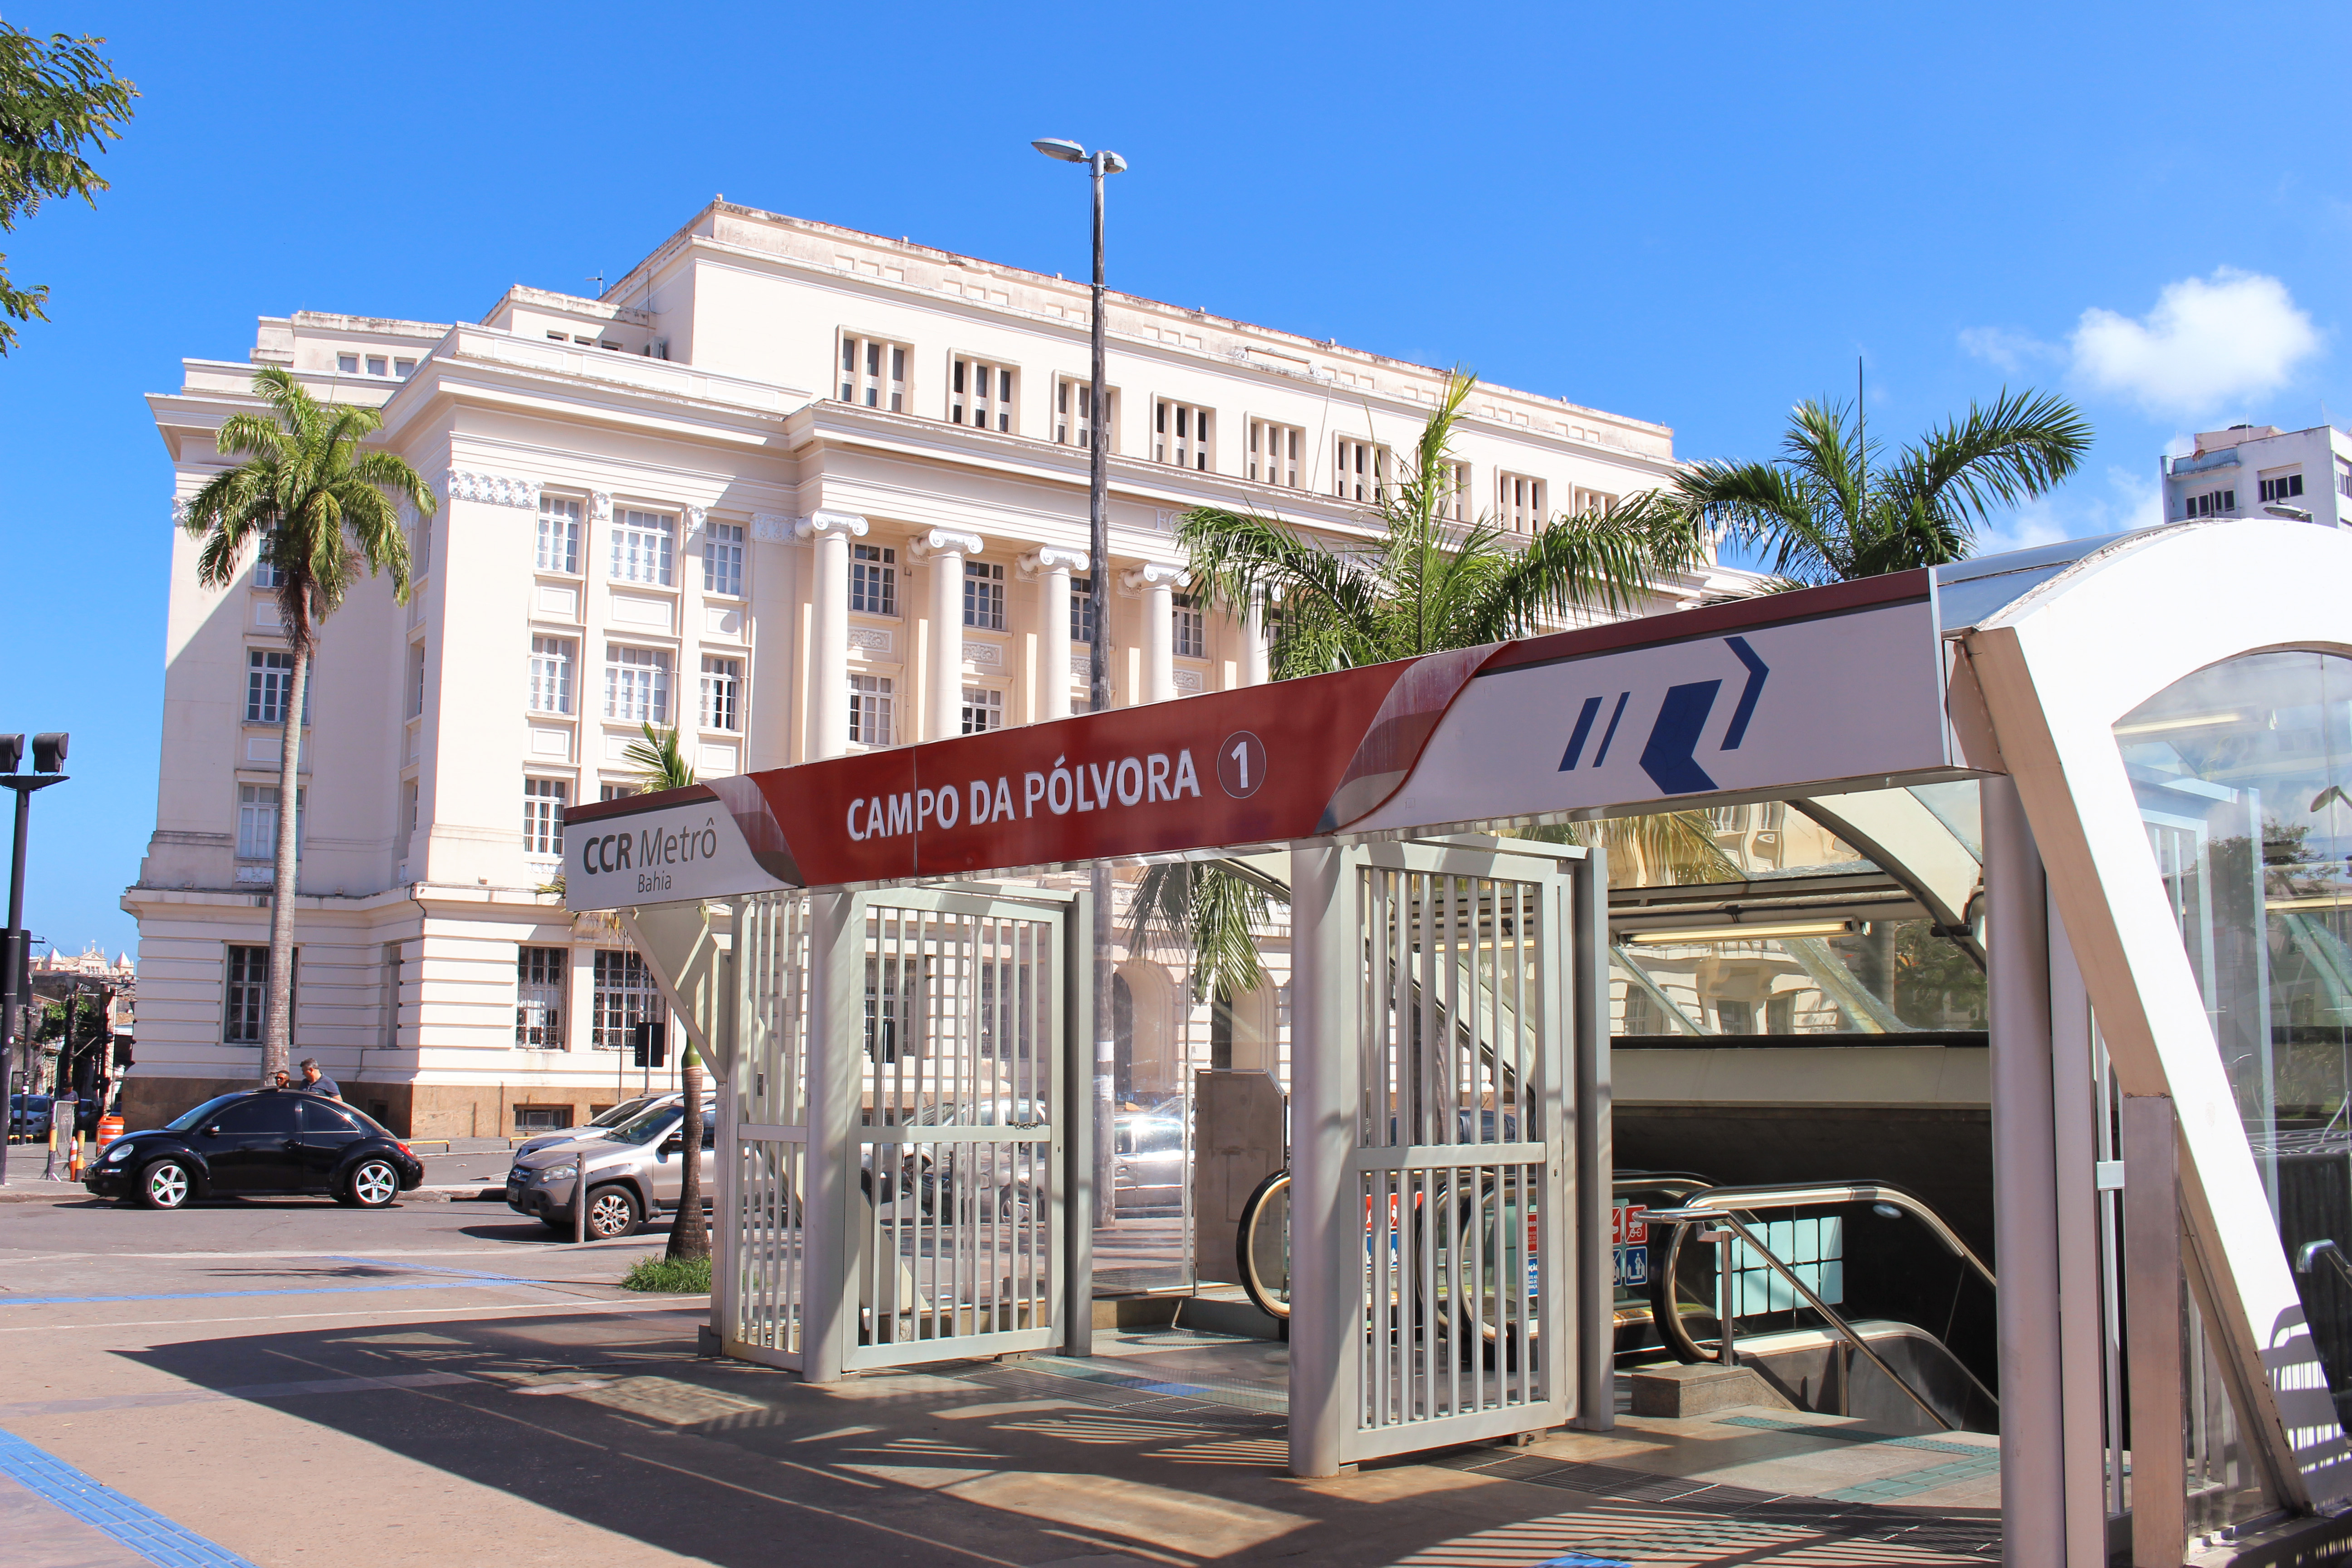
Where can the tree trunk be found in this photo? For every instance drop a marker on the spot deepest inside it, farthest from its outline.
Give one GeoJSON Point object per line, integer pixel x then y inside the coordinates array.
{"type": "Point", "coordinates": [277, 1024]}
{"type": "Point", "coordinates": [689, 1236]}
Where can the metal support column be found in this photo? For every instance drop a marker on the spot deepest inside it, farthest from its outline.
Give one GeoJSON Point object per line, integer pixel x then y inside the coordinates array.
{"type": "Point", "coordinates": [1327, 1220]}
{"type": "Point", "coordinates": [2081, 1288]}
{"type": "Point", "coordinates": [1596, 1274]}
{"type": "Point", "coordinates": [1077, 1109]}
{"type": "Point", "coordinates": [836, 1034]}
{"type": "Point", "coordinates": [2159, 1468]}
{"type": "Point", "coordinates": [2025, 1183]}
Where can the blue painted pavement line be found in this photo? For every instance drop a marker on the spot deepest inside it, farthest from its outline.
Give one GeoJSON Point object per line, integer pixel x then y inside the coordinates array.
{"type": "Point", "coordinates": [429, 1268]}
{"type": "Point", "coordinates": [96, 1504]}
{"type": "Point", "coordinates": [217, 1295]}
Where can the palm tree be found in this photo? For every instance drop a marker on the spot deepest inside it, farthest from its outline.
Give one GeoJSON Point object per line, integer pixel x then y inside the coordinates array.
{"type": "Point", "coordinates": [1826, 512]}
{"type": "Point", "coordinates": [318, 508]}
{"type": "Point", "coordinates": [660, 765]}
{"type": "Point", "coordinates": [1425, 584]}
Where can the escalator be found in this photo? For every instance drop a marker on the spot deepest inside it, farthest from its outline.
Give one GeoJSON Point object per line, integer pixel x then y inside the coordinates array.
{"type": "Point", "coordinates": [1851, 1298]}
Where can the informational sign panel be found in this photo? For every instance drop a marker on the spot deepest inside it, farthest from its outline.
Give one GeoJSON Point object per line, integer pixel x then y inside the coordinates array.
{"type": "Point", "coordinates": [1782, 692]}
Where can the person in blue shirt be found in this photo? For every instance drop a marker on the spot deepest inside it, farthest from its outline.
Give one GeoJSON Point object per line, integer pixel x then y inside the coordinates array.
{"type": "Point", "coordinates": [317, 1082]}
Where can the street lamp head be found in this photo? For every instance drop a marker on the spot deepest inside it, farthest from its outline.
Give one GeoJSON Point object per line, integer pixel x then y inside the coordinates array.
{"type": "Point", "coordinates": [1055, 147]}
{"type": "Point", "coordinates": [1113, 164]}
{"type": "Point", "coordinates": [49, 753]}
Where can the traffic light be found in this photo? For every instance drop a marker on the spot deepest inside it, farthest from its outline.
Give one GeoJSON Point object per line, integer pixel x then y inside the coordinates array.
{"type": "Point", "coordinates": [49, 753]}
{"type": "Point", "coordinates": [648, 1045]}
{"type": "Point", "coordinates": [11, 752]}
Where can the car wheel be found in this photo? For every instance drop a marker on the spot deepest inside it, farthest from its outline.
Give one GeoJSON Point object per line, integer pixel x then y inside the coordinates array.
{"type": "Point", "coordinates": [612, 1211]}
{"type": "Point", "coordinates": [374, 1184]}
{"type": "Point", "coordinates": [166, 1185]}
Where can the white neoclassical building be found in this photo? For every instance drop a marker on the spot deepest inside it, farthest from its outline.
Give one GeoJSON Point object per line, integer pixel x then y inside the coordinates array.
{"type": "Point", "coordinates": [788, 487]}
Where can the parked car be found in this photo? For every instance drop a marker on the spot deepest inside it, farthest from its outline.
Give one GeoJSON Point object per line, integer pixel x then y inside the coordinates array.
{"type": "Point", "coordinates": [630, 1172]}
{"type": "Point", "coordinates": [29, 1116]}
{"type": "Point", "coordinates": [1148, 1164]}
{"type": "Point", "coordinates": [602, 1123]}
{"type": "Point", "coordinates": [260, 1142]}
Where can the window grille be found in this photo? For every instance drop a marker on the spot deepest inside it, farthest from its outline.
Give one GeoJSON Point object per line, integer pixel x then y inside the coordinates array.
{"type": "Point", "coordinates": [873, 580]}
{"type": "Point", "coordinates": [869, 710]}
{"type": "Point", "coordinates": [983, 710]}
{"type": "Point", "coordinates": [873, 373]}
{"type": "Point", "coordinates": [980, 395]}
{"type": "Point", "coordinates": [722, 690]}
{"type": "Point", "coordinates": [542, 816]}
{"type": "Point", "coordinates": [257, 821]}
{"type": "Point", "coordinates": [269, 677]}
{"type": "Point", "coordinates": [636, 684]}
{"type": "Point", "coordinates": [1274, 453]}
{"type": "Point", "coordinates": [559, 534]}
{"type": "Point", "coordinates": [983, 596]}
{"type": "Point", "coordinates": [722, 559]}
{"type": "Point", "coordinates": [1190, 628]}
{"type": "Point", "coordinates": [1074, 405]}
{"type": "Point", "coordinates": [623, 995]}
{"type": "Point", "coordinates": [538, 997]}
{"type": "Point", "coordinates": [551, 675]}
{"type": "Point", "coordinates": [1082, 609]}
{"type": "Point", "coordinates": [643, 545]}
{"type": "Point", "coordinates": [1362, 473]}
{"type": "Point", "coordinates": [1518, 503]}
{"type": "Point", "coordinates": [1179, 434]}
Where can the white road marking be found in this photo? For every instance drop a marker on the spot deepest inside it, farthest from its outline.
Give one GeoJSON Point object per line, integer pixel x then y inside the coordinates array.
{"type": "Point", "coordinates": [516, 1308]}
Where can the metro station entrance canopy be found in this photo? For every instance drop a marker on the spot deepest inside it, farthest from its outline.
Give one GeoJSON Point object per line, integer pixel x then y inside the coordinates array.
{"type": "Point", "coordinates": [2161, 740]}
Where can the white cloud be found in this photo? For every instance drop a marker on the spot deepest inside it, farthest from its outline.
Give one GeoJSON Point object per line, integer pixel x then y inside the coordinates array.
{"type": "Point", "coordinates": [2209, 343]}
{"type": "Point", "coordinates": [2010, 350]}
{"type": "Point", "coordinates": [2131, 501]}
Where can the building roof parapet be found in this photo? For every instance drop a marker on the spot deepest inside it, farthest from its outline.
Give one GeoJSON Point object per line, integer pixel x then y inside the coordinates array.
{"type": "Point", "coordinates": [574, 304]}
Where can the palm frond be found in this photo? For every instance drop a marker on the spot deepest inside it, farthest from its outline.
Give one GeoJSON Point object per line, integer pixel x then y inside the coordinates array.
{"type": "Point", "coordinates": [658, 760]}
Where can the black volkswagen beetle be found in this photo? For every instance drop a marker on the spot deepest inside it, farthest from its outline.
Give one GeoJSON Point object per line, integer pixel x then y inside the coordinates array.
{"type": "Point", "coordinates": [260, 1142]}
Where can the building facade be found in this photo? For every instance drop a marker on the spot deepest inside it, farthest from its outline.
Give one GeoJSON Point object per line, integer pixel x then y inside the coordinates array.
{"type": "Point", "coordinates": [2260, 471]}
{"type": "Point", "coordinates": [787, 488]}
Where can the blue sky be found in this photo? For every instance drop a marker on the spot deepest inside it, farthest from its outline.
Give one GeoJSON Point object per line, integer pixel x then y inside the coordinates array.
{"type": "Point", "coordinates": [1694, 217]}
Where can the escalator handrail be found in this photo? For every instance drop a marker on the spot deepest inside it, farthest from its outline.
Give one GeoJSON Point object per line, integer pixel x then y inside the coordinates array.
{"type": "Point", "coordinates": [1721, 1201]}
{"type": "Point", "coordinates": [1829, 1314]}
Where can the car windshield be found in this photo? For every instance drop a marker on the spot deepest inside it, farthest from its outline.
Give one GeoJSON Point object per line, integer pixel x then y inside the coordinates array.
{"type": "Point", "coordinates": [646, 1126]}
{"type": "Point", "coordinates": [620, 1114]}
{"type": "Point", "coordinates": [201, 1113]}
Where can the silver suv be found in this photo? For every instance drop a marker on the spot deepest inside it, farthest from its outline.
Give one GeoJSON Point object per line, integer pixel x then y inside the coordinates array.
{"type": "Point", "coordinates": [630, 1173]}
{"type": "Point", "coordinates": [604, 1123]}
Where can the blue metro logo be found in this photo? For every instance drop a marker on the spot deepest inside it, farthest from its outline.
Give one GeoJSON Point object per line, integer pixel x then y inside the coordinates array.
{"type": "Point", "coordinates": [1670, 755]}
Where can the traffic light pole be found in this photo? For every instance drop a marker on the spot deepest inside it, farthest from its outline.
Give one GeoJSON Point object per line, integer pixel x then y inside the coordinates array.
{"type": "Point", "coordinates": [15, 950]}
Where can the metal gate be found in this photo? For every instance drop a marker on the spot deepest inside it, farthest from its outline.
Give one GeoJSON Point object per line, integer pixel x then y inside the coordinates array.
{"type": "Point", "coordinates": [899, 1135]}
{"type": "Point", "coordinates": [1442, 1088]}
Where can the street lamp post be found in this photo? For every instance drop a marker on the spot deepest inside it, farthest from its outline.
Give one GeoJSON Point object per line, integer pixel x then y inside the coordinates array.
{"type": "Point", "coordinates": [1101, 164]}
{"type": "Point", "coordinates": [49, 756]}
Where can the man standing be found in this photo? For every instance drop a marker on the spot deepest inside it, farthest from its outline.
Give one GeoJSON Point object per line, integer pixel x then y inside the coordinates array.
{"type": "Point", "coordinates": [317, 1082]}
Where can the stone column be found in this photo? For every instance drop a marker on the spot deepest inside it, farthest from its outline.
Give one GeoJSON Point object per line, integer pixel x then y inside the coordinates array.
{"type": "Point", "coordinates": [828, 687]}
{"type": "Point", "coordinates": [1156, 581]}
{"type": "Point", "coordinates": [1054, 566]}
{"type": "Point", "coordinates": [943, 550]}
{"type": "Point", "coordinates": [1253, 648]}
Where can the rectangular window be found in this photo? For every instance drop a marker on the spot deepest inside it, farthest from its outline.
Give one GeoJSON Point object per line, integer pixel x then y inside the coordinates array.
{"type": "Point", "coordinates": [1082, 609]}
{"type": "Point", "coordinates": [378, 364]}
{"type": "Point", "coordinates": [722, 559]}
{"type": "Point", "coordinates": [257, 821]}
{"type": "Point", "coordinates": [269, 676]}
{"type": "Point", "coordinates": [1362, 472]}
{"type": "Point", "coordinates": [1191, 631]}
{"type": "Point", "coordinates": [1518, 503]}
{"type": "Point", "coordinates": [1074, 411]}
{"type": "Point", "coordinates": [420, 548]}
{"type": "Point", "coordinates": [559, 534]}
{"type": "Point", "coordinates": [873, 580]}
{"type": "Point", "coordinates": [722, 693]}
{"type": "Point", "coordinates": [980, 395]}
{"type": "Point", "coordinates": [248, 992]}
{"type": "Point", "coordinates": [542, 816]}
{"type": "Point", "coordinates": [623, 995]}
{"type": "Point", "coordinates": [403, 368]}
{"type": "Point", "coordinates": [642, 542]}
{"type": "Point", "coordinates": [265, 576]}
{"type": "Point", "coordinates": [347, 365]}
{"type": "Point", "coordinates": [416, 693]}
{"type": "Point", "coordinates": [636, 684]}
{"type": "Point", "coordinates": [2284, 486]}
{"type": "Point", "coordinates": [983, 710]}
{"type": "Point", "coordinates": [1454, 496]}
{"type": "Point", "coordinates": [2343, 477]}
{"type": "Point", "coordinates": [1274, 453]}
{"type": "Point", "coordinates": [551, 675]}
{"type": "Point", "coordinates": [408, 805]}
{"type": "Point", "coordinates": [983, 596]}
{"type": "Point", "coordinates": [873, 373]}
{"type": "Point", "coordinates": [869, 710]}
{"type": "Point", "coordinates": [538, 997]}
{"type": "Point", "coordinates": [2212, 503]}
{"type": "Point", "coordinates": [1179, 434]}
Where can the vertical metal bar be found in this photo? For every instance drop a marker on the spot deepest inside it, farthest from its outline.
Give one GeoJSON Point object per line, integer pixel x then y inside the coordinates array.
{"type": "Point", "coordinates": [836, 948]}
{"type": "Point", "coordinates": [2152, 1316]}
{"type": "Point", "coordinates": [1573, 968]}
{"type": "Point", "coordinates": [2025, 1221]}
{"type": "Point", "coordinates": [2080, 1286]}
{"type": "Point", "coordinates": [1327, 1218]}
{"type": "Point", "coordinates": [1072, 1203]}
